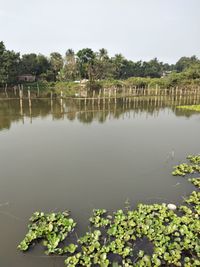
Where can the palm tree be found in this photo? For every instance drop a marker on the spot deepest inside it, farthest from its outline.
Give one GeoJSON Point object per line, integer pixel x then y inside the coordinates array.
{"type": "Point", "coordinates": [103, 54]}
{"type": "Point", "coordinates": [70, 56]}
{"type": "Point", "coordinates": [71, 70]}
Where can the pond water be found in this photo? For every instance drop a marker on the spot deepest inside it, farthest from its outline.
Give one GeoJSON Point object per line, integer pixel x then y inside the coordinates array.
{"type": "Point", "coordinates": [58, 155]}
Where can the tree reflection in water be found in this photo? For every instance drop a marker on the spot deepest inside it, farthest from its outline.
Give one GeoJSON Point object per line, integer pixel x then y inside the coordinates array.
{"type": "Point", "coordinates": [90, 111]}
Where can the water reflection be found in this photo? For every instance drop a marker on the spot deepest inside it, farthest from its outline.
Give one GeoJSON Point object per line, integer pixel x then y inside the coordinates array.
{"type": "Point", "coordinates": [57, 163]}
{"type": "Point", "coordinates": [88, 111]}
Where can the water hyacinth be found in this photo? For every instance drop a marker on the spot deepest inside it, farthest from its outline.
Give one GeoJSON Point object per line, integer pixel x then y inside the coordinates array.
{"type": "Point", "coordinates": [188, 168]}
{"type": "Point", "coordinates": [52, 228]}
{"type": "Point", "coordinates": [174, 235]}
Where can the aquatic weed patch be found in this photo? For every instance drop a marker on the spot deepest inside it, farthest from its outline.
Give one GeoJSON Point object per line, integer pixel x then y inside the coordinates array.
{"type": "Point", "coordinates": [112, 239]}
{"type": "Point", "coordinates": [52, 228]}
{"type": "Point", "coordinates": [190, 107]}
{"type": "Point", "coordinates": [188, 168]}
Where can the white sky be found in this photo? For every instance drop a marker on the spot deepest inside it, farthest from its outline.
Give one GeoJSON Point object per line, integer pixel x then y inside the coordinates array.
{"type": "Point", "coordinates": [139, 29]}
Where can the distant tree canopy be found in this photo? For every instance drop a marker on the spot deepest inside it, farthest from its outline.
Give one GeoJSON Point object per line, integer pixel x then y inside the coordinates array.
{"type": "Point", "coordinates": [87, 64]}
{"type": "Point", "coordinates": [9, 64]}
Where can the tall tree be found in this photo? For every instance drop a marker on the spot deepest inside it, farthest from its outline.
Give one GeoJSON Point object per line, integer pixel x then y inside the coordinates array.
{"type": "Point", "coordinates": [9, 65]}
{"type": "Point", "coordinates": [85, 61]}
{"type": "Point", "coordinates": [103, 54]}
{"type": "Point", "coordinates": [71, 69]}
{"type": "Point", "coordinates": [2, 62]}
{"type": "Point", "coordinates": [43, 64]}
{"type": "Point", "coordinates": [29, 64]}
{"type": "Point", "coordinates": [185, 62]}
{"type": "Point", "coordinates": [118, 63]}
{"type": "Point", "coordinates": [152, 68]}
{"type": "Point", "coordinates": [56, 62]}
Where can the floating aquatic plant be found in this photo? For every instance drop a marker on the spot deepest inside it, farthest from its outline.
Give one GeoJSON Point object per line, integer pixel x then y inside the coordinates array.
{"type": "Point", "coordinates": [98, 219]}
{"type": "Point", "coordinates": [194, 159]}
{"type": "Point", "coordinates": [52, 228]}
{"type": "Point", "coordinates": [195, 181]}
{"type": "Point", "coordinates": [185, 168]}
{"type": "Point", "coordinates": [174, 235]}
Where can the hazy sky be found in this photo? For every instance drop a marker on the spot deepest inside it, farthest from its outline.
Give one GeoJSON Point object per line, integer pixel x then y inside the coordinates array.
{"type": "Point", "coordinates": [139, 29]}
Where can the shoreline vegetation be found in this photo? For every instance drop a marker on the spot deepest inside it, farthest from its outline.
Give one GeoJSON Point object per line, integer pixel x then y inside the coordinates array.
{"type": "Point", "coordinates": [88, 70]}
{"type": "Point", "coordinates": [173, 235]}
{"type": "Point", "coordinates": [100, 89]}
{"type": "Point", "coordinates": [190, 107]}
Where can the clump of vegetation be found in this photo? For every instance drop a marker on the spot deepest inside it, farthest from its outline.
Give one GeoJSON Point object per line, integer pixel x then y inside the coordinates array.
{"type": "Point", "coordinates": [190, 107]}
{"type": "Point", "coordinates": [194, 159]}
{"type": "Point", "coordinates": [195, 181]}
{"type": "Point", "coordinates": [52, 228]}
{"type": "Point", "coordinates": [184, 168]}
{"type": "Point", "coordinates": [112, 239]}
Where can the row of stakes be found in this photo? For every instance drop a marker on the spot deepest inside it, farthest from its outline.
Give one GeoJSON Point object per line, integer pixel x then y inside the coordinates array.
{"type": "Point", "coordinates": [126, 93]}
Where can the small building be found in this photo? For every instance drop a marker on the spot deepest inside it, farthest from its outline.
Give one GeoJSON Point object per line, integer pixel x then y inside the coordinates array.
{"type": "Point", "coordinates": [26, 78]}
{"type": "Point", "coordinates": [166, 73]}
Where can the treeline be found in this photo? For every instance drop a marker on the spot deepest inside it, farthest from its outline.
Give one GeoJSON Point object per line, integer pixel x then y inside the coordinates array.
{"type": "Point", "coordinates": [87, 64]}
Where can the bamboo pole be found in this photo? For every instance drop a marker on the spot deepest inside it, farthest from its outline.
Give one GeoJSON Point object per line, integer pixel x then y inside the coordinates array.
{"type": "Point", "coordinates": [38, 90]}
{"type": "Point", "coordinates": [29, 94]}
{"type": "Point", "coordinates": [6, 85]}
{"type": "Point", "coordinates": [20, 94]}
{"type": "Point", "coordinates": [109, 93]}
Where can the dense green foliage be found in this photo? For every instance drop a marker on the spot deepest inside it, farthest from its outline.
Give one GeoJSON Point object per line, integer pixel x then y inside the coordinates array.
{"type": "Point", "coordinates": [112, 239]}
{"type": "Point", "coordinates": [93, 66]}
{"type": "Point", "coordinates": [9, 64]}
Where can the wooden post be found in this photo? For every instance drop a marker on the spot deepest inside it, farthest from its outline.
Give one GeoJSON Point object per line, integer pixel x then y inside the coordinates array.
{"type": "Point", "coordinates": [99, 97]}
{"type": "Point", "coordinates": [51, 105]}
{"type": "Point", "coordinates": [20, 94]}
{"type": "Point", "coordinates": [156, 89]}
{"type": "Point", "coordinates": [61, 105]}
{"type": "Point", "coordinates": [38, 90]}
{"type": "Point", "coordinates": [29, 101]}
{"type": "Point", "coordinates": [93, 96]}
{"type": "Point", "coordinates": [109, 95]}
{"type": "Point", "coordinates": [29, 94]}
{"type": "Point", "coordinates": [15, 91]}
{"type": "Point", "coordinates": [61, 94]}
{"type": "Point", "coordinates": [130, 91]}
{"type": "Point", "coordinates": [21, 106]}
{"type": "Point", "coordinates": [22, 88]}
{"type": "Point", "coordinates": [123, 94]}
{"type": "Point", "coordinates": [30, 111]}
{"type": "Point", "coordinates": [6, 86]}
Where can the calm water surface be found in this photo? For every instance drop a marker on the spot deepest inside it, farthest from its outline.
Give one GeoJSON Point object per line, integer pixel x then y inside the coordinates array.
{"type": "Point", "coordinates": [67, 155]}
